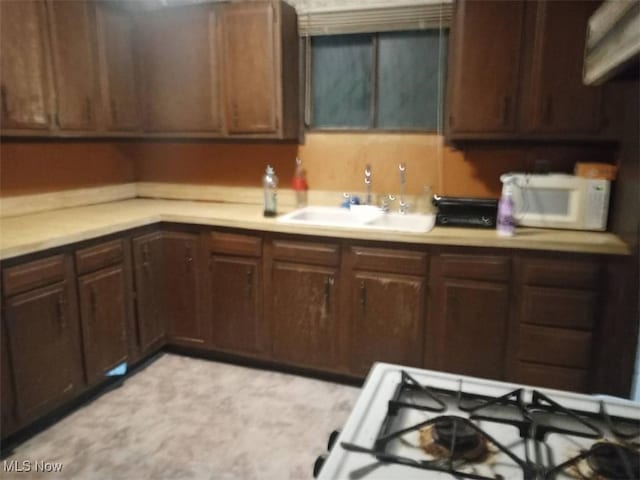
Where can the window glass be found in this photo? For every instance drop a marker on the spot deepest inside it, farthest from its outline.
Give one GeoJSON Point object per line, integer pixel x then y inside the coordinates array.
{"type": "Point", "coordinates": [341, 81]}
{"type": "Point", "coordinates": [410, 79]}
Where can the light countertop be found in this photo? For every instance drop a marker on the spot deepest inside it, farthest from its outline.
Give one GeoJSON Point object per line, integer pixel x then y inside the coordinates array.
{"type": "Point", "coordinates": [30, 233]}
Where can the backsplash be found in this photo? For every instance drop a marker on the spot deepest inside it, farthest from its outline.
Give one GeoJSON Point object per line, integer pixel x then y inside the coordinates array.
{"type": "Point", "coordinates": [334, 161]}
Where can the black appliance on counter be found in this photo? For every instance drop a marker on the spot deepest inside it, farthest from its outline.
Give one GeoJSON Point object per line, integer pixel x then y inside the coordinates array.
{"type": "Point", "coordinates": [466, 212]}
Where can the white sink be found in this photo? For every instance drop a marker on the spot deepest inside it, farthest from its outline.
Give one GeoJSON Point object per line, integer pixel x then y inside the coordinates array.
{"type": "Point", "coordinates": [361, 217]}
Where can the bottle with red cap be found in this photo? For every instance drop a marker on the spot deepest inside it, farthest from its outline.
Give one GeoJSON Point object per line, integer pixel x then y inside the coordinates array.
{"type": "Point", "coordinates": [299, 184]}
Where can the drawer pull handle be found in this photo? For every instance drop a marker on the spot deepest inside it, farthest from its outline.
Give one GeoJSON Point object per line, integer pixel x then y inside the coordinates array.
{"type": "Point", "coordinates": [188, 257]}
{"type": "Point", "coordinates": [328, 283]}
{"type": "Point", "coordinates": [249, 282]}
{"type": "Point", "coordinates": [363, 296]}
{"type": "Point", "coordinates": [92, 300]}
{"type": "Point", "coordinates": [61, 307]}
{"type": "Point", "coordinates": [548, 110]}
{"type": "Point", "coordinates": [506, 110]}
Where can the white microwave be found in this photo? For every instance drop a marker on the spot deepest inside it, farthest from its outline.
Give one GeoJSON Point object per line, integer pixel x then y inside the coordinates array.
{"type": "Point", "coordinates": [558, 200]}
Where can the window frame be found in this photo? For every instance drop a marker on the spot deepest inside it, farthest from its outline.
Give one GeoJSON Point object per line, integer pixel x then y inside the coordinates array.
{"type": "Point", "coordinates": [306, 57]}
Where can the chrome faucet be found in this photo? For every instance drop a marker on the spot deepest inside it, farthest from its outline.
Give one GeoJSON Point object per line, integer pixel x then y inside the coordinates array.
{"type": "Point", "coordinates": [403, 205]}
{"type": "Point", "coordinates": [367, 182]}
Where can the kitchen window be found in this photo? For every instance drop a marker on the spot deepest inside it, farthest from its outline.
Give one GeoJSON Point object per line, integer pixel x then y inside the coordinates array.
{"type": "Point", "coordinates": [376, 81]}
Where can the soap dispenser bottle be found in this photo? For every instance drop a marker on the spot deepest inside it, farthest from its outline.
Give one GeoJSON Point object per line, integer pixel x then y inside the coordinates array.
{"type": "Point", "coordinates": [505, 221]}
{"type": "Point", "coordinates": [270, 186]}
{"type": "Point", "coordinates": [299, 184]}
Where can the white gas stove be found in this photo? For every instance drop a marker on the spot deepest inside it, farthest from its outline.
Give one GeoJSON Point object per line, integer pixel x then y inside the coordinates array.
{"type": "Point", "coordinates": [411, 423]}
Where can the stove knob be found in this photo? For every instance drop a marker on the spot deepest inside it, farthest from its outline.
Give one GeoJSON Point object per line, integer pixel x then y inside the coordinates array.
{"type": "Point", "coordinates": [332, 439]}
{"type": "Point", "coordinates": [319, 463]}
{"type": "Point", "coordinates": [444, 219]}
{"type": "Point", "coordinates": [486, 220]}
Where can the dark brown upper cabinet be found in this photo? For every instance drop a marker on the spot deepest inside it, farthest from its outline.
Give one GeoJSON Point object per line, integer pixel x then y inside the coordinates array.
{"type": "Point", "coordinates": [71, 29]}
{"type": "Point", "coordinates": [483, 83]}
{"type": "Point", "coordinates": [259, 44]}
{"type": "Point", "coordinates": [557, 101]}
{"type": "Point", "coordinates": [250, 72]}
{"type": "Point", "coordinates": [516, 72]}
{"type": "Point", "coordinates": [117, 67]}
{"type": "Point", "coordinates": [180, 69]}
{"type": "Point", "coordinates": [25, 90]}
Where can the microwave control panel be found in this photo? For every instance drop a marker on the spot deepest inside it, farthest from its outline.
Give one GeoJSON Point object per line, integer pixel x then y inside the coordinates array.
{"type": "Point", "coordinates": [597, 205]}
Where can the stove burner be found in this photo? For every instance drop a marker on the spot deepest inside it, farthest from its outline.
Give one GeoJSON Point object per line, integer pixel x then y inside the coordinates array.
{"type": "Point", "coordinates": [614, 462]}
{"type": "Point", "coordinates": [453, 432]}
{"type": "Point", "coordinates": [452, 437]}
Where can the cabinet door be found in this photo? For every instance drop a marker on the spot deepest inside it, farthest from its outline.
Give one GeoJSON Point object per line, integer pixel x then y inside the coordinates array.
{"type": "Point", "coordinates": [117, 68]}
{"type": "Point", "coordinates": [25, 93]}
{"type": "Point", "coordinates": [148, 257]}
{"type": "Point", "coordinates": [72, 52]}
{"type": "Point", "coordinates": [304, 312]}
{"type": "Point", "coordinates": [7, 407]}
{"type": "Point", "coordinates": [104, 320]}
{"type": "Point", "coordinates": [179, 66]}
{"type": "Point", "coordinates": [44, 344]}
{"type": "Point", "coordinates": [182, 287]}
{"type": "Point", "coordinates": [472, 318]}
{"type": "Point", "coordinates": [558, 101]}
{"type": "Point", "coordinates": [250, 57]}
{"type": "Point", "coordinates": [387, 320]}
{"type": "Point", "coordinates": [236, 296]}
{"type": "Point", "coordinates": [483, 83]}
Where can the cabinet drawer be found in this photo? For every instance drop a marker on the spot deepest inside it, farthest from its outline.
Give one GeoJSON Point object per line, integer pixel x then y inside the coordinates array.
{"type": "Point", "coordinates": [555, 346]}
{"type": "Point", "coordinates": [307, 252]}
{"type": "Point", "coordinates": [33, 274]}
{"type": "Point", "coordinates": [558, 273]}
{"type": "Point", "coordinates": [559, 308]}
{"type": "Point", "coordinates": [236, 244]}
{"type": "Point", "coordinates": [534, 374]}
{"type": "Point", "coordinates": [387, 260]}
{"type": "Point", "coordinates": [476, 267]}
{"type": "Point", "coordinates": [99, 256]}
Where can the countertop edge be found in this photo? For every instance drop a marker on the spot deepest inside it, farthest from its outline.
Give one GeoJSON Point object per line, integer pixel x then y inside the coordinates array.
{"type": "Point", "coordinates": [435, 237]}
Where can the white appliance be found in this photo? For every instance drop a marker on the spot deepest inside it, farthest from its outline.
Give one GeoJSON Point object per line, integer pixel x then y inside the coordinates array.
{"type": "Point", "coordinates": [558, 200]}
{"type": "Point", "coordinates": [524, 433]}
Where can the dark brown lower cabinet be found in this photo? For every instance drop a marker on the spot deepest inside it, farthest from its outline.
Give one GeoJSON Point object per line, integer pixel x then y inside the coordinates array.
{"type": "Point", "coordinates": [387, 319]}
{"type": "Point", "coordinates": [236, 299]}
{"type": "Point", "coordinates": [181, 289]}
{"type": "Point", "coordinates": [8, 406]}
{"type": "Point", "coordinates": [304, 306]}
{"type": "Point", "coordinates": [104, 320]}
{"type": "Point", "coordinates": [469, 315]}
{"type": "Point", "coordinates": [554, 334]}
{"type": "Point", "coordinates": [149, 290]}
{"type": "Point", "coordinates": [45, 348]}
